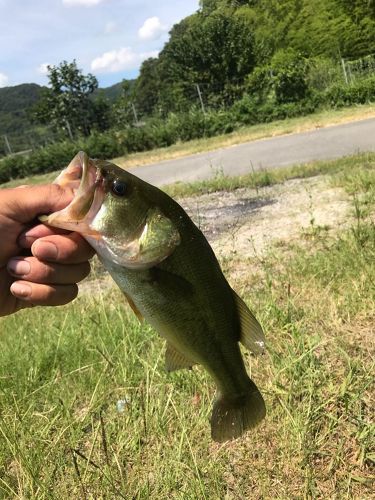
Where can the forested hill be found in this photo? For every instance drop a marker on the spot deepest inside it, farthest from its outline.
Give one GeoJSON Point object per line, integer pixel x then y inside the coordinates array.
{"type": "Point", "coordinates": [15, 103]}
{"type": "Point", "coordinates": [19, 97]}
{"type": "Point", "coordinates": [312, 27]}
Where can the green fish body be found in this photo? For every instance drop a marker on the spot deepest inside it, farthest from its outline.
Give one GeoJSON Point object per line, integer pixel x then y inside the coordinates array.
{"type": "Point", "coordinates": [167, 270]}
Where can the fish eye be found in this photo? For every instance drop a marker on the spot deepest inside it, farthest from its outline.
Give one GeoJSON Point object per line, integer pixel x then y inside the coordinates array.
{"type": "Point", "coordinates": [119, 188]}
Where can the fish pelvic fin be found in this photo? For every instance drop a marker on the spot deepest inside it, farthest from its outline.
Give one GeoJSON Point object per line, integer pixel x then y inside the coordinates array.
{"type": "Point", "coordinates": [252, 336]}
{"type": "Point", "coordinates": [174, 360]}
{"type": "Point", "coordinates": [133, 307]}
{"type": "Point", "coordinates": [233, 415]}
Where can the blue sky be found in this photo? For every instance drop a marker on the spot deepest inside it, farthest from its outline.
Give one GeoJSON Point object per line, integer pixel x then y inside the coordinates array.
{"type": "Point", "coordinates": [109, 38]}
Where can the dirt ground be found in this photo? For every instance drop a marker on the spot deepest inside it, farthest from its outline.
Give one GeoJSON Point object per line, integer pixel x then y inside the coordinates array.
{"type": "Point", "coordinates": [249, 222]}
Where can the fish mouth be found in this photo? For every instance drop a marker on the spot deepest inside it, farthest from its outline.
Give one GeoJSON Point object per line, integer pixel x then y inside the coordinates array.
{"type": "Point", "coordinates": [86, 180]}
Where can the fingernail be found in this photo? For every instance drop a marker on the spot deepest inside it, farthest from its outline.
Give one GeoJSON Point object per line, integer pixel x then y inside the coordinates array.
{"type": "Point", "coordinates": [20, 290]}
{"type": "Point", "coordinates": [19, 267]}
{"type": "Point", "coordinates": [44, 250]}
{"type": "Point", "coordinates": [26, 241]}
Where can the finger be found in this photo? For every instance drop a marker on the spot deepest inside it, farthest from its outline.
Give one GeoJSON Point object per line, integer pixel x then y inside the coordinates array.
{"type": "Point", "coordinates": [43, 295]}
{"type": "Point", "coordinates": [27, 238]}
{"type": "Point", "coordinates": [34, 270]}
{"type": "Point", "coordinates": [35, 200]}
{"type": "Point", "coordinates": [65, 249]}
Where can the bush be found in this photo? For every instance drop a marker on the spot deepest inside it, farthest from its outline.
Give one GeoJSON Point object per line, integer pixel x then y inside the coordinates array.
{"type": "Point", "coordinates": [58, 155]}
{"type": "Point", "coordinates": [50, 158]}
{"type": "Point", "coordinates": [12, 167]}
{"type": "Point", "coordinates": [359, 92]}
{"type": "Point", "coordinates": [323, 72]}
{"type": "Point", "coordinates": [248, 112]}
{"type": "Point", "coordinates": [289, 70]}
{"type": "Point", "coordinates": [259, 84]}
{"type": "Point", "coordinates": [102, 145]}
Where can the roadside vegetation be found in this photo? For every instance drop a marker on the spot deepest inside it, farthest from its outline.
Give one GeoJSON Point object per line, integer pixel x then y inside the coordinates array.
{"type": "Point", "coordinates": [88, 411]}
{"type": "Point", "coordinates": [246, 133]}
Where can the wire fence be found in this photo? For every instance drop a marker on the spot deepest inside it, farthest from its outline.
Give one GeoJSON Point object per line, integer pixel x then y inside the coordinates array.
{"type": "Point", "coordinates": [359, 68]}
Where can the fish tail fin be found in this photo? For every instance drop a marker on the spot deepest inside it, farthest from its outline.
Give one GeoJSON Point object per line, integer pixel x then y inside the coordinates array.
{"type": "Point", "coordinates": [233, 415]}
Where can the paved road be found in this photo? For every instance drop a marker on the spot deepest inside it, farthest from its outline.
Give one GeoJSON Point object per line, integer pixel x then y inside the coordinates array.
{"type": "Point", "coordinates": [324, 143]}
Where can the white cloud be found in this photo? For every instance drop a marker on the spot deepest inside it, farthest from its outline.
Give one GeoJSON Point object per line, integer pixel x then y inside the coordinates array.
{"type": "Point", "coordinates": [84, 3]}
{"type": "Point", "coordinates": [43, 68]}
{"type": "Point", "coordinates": [119, 60]}
{"type": "Point", "coordinates": [110, 27]}
{"type": "Point", "coordinates": [3, 80]}
{"type": "Point", "coordinates": [152, 29]}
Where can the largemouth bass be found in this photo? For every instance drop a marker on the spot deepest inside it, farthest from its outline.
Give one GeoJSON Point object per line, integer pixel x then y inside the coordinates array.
{"type": "Point", "coordinates": [169, 274]}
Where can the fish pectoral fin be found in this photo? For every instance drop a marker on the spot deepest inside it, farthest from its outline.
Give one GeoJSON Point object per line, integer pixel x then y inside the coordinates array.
{"type": "Point", "coordinates": [252, 336]}
{"type": "Point", "coordinates": [133, 307]}
{"type": "Point", "coordinates": [174, 360]}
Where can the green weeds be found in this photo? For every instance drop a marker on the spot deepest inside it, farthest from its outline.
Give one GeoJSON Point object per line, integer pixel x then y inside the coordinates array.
{"type": "Point", "coordinates": [62, 372]}
{"type": "Point", "coordinates": [344, 167]}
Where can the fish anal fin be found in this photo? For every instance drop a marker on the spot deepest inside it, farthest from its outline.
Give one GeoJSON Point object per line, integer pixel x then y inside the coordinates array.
{"type": "Point", "coordinates": [252, 336]}
{"type": "Point", "coordinates": [174, 360]}
{"type": "Point", "coordinates": [133, 307]}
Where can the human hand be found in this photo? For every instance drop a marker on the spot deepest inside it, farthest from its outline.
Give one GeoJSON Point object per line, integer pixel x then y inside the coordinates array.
{"type": "Point", "coordinates": [38, 265]}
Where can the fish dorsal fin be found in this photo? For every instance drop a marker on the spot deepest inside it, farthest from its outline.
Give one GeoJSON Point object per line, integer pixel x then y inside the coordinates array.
{"type": "Point", "coordinates": [174, 360]}
{"type": "Point", "coordinates": [133, 307]}
{"type": "Point", "coordinates": [252, 336]}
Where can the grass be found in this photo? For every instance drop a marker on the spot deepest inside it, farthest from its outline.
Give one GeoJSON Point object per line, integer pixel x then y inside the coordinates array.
{"type": "Point", "coordinates": [62, 372]}
{"type": "Point", "coordinates": [265, 177]}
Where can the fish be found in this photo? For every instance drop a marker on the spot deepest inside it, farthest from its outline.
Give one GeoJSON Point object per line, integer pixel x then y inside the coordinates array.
{"type": "Point", "coordinates": [170, 277]}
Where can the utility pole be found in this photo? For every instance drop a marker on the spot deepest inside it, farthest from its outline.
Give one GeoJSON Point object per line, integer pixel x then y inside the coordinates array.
{"type": "Point", "coordinates": [135, 115]}
{"type": "Point", "coordinates": [344, 70]}
{"type": "Point", "coordinates": [8, 145]}
{"type": "Point", "coordinates": [200, 98]}
{"type": "Point", "coordinates": [69, 129]}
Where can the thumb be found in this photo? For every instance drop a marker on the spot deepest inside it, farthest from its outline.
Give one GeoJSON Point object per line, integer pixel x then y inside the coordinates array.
{"type": "Point", "coordinates": [27, 203]}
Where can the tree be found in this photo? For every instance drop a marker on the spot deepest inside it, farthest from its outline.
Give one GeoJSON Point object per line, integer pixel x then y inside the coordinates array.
{"type": "Point", "coordinates": [123, 111]}
{"type": "Point", "coordinates": [208, 6]}
{"type": "Point", "coordinates": [358, 9]}
{"type": "Point", "coordinates": [289, 71]}
{"type": "Point", "coordinates": [282, 80]}
{"type": "Point", "coordinates": [101, 113]}
{"type": "Point", "coordinates": [147, 88]}
{"type": "Point", "coordinates": [67, 104]}
{"type": "Point", "coordinates": [215, 51]}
